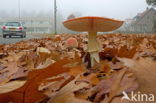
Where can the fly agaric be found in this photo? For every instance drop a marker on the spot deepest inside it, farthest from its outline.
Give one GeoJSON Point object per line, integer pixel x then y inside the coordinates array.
{"type": "Point", "coordinates": [92, 25]}
{"type": "Point", "coordinates": [72, 42]}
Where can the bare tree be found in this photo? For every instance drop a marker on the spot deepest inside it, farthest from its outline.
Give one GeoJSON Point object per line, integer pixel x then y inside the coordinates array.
{"type": "Point", "coordinates": [151, 2]}
{"type": "Point", "coordinates": [71, 16]}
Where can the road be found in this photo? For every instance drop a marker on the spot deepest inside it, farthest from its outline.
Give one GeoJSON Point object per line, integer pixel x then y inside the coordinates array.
{"type": "Point", "coordinates": [16, 39]}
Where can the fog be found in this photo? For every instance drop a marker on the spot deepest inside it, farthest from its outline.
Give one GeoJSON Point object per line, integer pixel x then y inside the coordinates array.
{"type": "Point", "coordinates": [119, 9]}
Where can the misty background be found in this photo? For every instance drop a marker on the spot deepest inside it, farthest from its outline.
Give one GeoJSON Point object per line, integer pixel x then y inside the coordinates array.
{"type": "Point", "coordinates": [117, 9]}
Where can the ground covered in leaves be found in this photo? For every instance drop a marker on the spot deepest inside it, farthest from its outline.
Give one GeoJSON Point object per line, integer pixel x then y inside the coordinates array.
{"type": "Point", "coordinates": [57, 69]}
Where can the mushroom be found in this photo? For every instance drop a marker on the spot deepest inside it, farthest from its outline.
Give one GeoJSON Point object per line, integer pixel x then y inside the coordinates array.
{"type": "Point", "coordinates": [92, 25]}
{"type": "Point", "coordinates": [72, 42]}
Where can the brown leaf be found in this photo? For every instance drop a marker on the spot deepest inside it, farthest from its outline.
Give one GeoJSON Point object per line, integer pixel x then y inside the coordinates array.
{"type": "Point", "coordinates": [145, 72]}
{"type": "Point", "coordinates": [50, 87]}
{"type": "Point", "coordinates": [77, 70]}
{"type": "Point", "coordinates": [91, 78]}
{"type": "Point", "coordinates": [7, 73]}
{"type": "Point", "coordinates": [119, 100]}
{"type": "Point", "coordinates": [11, 86]}
{"type": "Point", "coordinates": [124, 52]}
{"type": "Point", "coordinates": [119, 82]}
{"type": "Point", "coordinates": [66, 94]}
{"type": "Point", "coordinates": [29, 92]}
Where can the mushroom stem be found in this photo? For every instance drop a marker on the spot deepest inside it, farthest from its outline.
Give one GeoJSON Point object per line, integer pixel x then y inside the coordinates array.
{"type": "Point", "coordinates": [93, 48]}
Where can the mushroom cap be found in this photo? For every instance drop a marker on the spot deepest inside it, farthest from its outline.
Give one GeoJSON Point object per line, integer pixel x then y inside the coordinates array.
{"type": "Point", "coordinates": [72, 42]}
{"type": "Point", "coordinates": [89, 23]}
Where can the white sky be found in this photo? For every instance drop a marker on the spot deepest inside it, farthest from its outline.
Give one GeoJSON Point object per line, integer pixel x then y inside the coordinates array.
{"type": "Point", "coordinates": [118, 9]}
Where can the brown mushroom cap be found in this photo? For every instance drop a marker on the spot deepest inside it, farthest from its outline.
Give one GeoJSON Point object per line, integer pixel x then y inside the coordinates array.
{"type": "Point", "coordinates": [97, 24]}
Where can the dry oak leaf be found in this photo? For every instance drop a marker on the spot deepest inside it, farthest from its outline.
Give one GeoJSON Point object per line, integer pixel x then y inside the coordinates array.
{"type": "Point", "coordinates": [45, 64]}
{"type": "Point", "coordinates": [120, 81]}
{"type": "Point", "coordinates": [12, 67]}
{"type": "Point", "coordinates": [31, 59]}
{"type": "Point", "coordinates": [107, 85]}
{"type": "Point", "coordinates": [119, 100]}
{"type": "Point", "coordinates": [124, 52]}
{"type": "Point", "coordinates": [43, 54]}
{"type": "Point", "coordinates": [10, 86]}
{"type": "Point", "coordinates": [7, 73]}
{"type": "Point", "coordinates": [145, 72]}
{"type": "Point", "coordinates": [77, 70]}
{"type": "Point", "coordinates": [66, 94]}
{"type": "Point", "coordinates": [29, 93]}
{"type": "Point", "coordinates": [51, 88]}
{"type": "Point", "coordinates": [91, 78]}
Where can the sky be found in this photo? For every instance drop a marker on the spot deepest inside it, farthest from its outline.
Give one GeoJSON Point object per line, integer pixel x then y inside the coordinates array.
{"type": "Point", "coordinates": [117, 9]}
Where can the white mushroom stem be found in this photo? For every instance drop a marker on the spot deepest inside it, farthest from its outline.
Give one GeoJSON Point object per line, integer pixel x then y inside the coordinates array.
{"type": "Point", "coordinates": [93, 48]}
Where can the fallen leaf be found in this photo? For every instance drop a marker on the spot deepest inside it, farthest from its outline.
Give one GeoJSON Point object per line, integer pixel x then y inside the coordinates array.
{"type": "Point", "coordinates": [29, 93]}
{"type": "Point", "coordinates": [77, 70]}
{"type": "Point", "coordinates": [11, 86]}
{"type": "Point", "coordinates": [144, 70]}
{"type": "Point", "coordinates": [121, 81]}
{"type": "Point", "coordinates": [119, 100]}
{"type": "Point", "coordinates": [91, 78]}
{"type": "Point", "coordinates": [66, 94]}
{"type": "Point", "coordinates": [9, 71]}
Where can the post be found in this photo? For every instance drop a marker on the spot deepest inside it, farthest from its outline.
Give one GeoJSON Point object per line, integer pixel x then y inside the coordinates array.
{"type": "Point", "coordinates": [31, 27]}
{"type": "Point", "coordinates": [55, 17]}
{"type": "Point", "coordinates": [19, 10]}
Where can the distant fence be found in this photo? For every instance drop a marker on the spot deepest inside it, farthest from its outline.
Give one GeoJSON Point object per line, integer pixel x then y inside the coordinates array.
{"type": "Point", "coordinates": [132, 32]}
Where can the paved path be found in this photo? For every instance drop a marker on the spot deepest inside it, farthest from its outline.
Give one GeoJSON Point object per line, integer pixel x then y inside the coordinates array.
{"type": "Point", "coordinates": [15, 39]}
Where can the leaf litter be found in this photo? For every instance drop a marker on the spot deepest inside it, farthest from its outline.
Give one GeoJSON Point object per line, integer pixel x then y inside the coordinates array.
{"type": "Point", "coordinates": [52, 70]}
